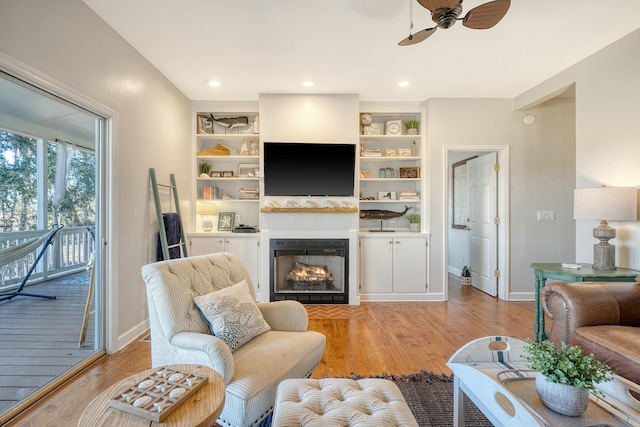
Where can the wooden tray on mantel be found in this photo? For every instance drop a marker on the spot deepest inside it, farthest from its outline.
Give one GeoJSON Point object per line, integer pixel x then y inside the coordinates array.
{"type": "Point", "coordinates": [323, 210]}
{"type": "Point", "coordinates": [164, 381]}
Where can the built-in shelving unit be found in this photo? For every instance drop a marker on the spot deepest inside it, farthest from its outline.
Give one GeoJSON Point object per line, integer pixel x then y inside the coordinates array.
{"type": "Point", "coordinates": [233, 156]}
{"type": "Point", "coordinates": [391, 170]}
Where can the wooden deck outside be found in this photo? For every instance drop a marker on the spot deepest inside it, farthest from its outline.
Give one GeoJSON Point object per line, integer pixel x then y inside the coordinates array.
{"type": "Point", "coordinates": [39, 338]}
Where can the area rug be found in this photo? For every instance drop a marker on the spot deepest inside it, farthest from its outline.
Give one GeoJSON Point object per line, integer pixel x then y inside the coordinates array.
{"type": "Point", "coordinates": [430, 398]}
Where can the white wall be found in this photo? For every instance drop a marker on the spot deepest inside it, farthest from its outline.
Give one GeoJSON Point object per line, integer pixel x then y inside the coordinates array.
{"type": "Point", "coordinates": [66, 41]}
{"type": "Point", "coordinates": [539, 156]}
{"type": "Point", "coordinates": [607, 86]}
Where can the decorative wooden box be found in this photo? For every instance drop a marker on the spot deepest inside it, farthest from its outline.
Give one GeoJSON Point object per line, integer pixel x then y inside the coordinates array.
{"type": "Point", "coordinates": [410, 172]}
{"type": "Point", "coordinates": [159, 394]}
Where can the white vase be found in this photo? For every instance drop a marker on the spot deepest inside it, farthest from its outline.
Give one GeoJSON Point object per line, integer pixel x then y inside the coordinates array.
{"type": "Point", "coordinates": [414, 226]}
{"type": "Point", "coordinates": [561, 398]}
{"type": "Point", "coordinates": [412, 131]}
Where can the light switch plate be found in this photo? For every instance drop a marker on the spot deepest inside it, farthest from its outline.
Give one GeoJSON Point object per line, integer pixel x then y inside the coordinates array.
{"type": "Point", "coordinates": [546, 216]}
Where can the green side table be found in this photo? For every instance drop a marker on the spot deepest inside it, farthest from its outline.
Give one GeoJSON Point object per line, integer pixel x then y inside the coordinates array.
{"type": "Point", "coordinates": [586, 273]}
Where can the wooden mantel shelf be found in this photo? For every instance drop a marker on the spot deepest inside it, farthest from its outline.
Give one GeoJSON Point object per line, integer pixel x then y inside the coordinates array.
{"type": "Point", "coordinates": [323, 210]}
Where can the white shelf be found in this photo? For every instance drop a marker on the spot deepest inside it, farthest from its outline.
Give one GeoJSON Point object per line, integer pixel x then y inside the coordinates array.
{"type": "Point", "coordinates": [228, 135]}
{"type": "Point", "coordinates": [237, 178]}
{"type": "Point", "coordinates": [385, 179]}
{"type": "Point", "coordinates": [388, 159]}
{"type": "Point", "coordinates": [390, 137]}
{"type": "Point", "coordinates": [391, 201]}
{"type": "Point", "coordinates": [230, 158]}
{"type": "Point", "coordinates": [230, 200]}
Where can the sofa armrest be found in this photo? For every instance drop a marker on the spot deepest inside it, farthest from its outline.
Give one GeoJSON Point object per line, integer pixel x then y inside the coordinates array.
{"type": "Point", "coordinates": [216, 349]}
{"type": "Point", "coordinates": [285, 315]}
{"type": "Point", "coordinates": [577, 304]}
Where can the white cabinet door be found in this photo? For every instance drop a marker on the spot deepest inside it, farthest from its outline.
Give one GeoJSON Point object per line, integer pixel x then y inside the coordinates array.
{"type": "Point", "coordinates": [376, 271]}
{"type": "Point", "coordinates": [244, 247]}
{"type": "Point", "coordinates": [410, 265]}
{"type": "Point", "coordinates": [247, 249]}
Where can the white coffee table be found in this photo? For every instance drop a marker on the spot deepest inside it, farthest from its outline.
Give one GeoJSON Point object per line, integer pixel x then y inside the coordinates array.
{"type": "Point", "coordinates": [492, 372]}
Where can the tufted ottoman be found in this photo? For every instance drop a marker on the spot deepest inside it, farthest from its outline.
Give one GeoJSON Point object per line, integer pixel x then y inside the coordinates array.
{"type": "Point", "coordinates": [341, 402]}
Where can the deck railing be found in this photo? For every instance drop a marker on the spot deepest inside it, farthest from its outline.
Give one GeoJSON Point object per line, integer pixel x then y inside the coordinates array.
{"type": "Point", "coordinates": [71, 251]}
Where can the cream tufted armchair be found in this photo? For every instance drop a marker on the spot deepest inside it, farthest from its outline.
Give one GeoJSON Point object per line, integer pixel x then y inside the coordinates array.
{"type": "Point", "coordinates": [253, 371]}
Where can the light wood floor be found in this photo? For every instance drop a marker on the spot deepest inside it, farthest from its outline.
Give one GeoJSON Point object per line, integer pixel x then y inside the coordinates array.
{"type": "Point", "coordinates": [394, 338]}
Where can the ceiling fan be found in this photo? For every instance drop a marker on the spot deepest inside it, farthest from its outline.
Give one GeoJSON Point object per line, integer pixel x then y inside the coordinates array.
{"type": "Point", "coordinates": [445, 13]}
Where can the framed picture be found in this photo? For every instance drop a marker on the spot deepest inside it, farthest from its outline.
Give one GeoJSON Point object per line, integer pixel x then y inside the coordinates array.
{"type": "Point", "coordinates": [391, 152]}
{"type": "Point", "coordinates": [246, 170]}
{"type": "Point", "coordinates": [227, 174]}
{"type": "Point", "coordinates": [386, 195]}
{"type": "Point", "coordinates": [226, 221]}
{"type": "Point", "coordinates": [215, 174]}
{"type": "Point", "coordinates": [205, 124]}
{"type": "Point", "coordinates": [393, 127]}
{"type": "Point", "coordinates": [404, 152]}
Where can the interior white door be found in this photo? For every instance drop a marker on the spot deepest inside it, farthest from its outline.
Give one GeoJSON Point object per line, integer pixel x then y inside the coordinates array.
{"type": "Point", "coordinates": [482, 185]}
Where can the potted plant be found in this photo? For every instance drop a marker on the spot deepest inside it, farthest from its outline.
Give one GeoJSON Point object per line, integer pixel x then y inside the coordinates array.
{"type": "Point", "coordinates": [565, 377]}
{"type": "Point", "coordinates": [204, 170]}
{"type": "Point", "coordinates": [412, 126]}
{"type": "Point", "coordinates": [414, 222]}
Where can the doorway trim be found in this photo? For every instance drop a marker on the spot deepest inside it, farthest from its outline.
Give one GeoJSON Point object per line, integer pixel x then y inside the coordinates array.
{"type": "Point", "coordinates": [503, 212]}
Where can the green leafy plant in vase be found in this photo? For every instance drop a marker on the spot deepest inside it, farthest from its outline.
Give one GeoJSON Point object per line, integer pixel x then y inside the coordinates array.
{"type": "Point", "coordinates": [414, 222]}
{"type": "Point", "coordinates": [204, 170]}
{"type": "Point", "coordinates": [412, 126]}
{"type": "Point", "coordinates": [565, 376]}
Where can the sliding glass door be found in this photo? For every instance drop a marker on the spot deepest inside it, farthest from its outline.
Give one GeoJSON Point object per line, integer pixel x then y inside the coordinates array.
{"type": "Point", "coordinates": [51, 304]}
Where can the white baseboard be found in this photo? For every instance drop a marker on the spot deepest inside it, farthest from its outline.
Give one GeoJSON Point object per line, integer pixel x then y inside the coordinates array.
{"type": "Point", "coordinates": [522, 296]}
{"type": "Point", "coordinates": [132, 334]}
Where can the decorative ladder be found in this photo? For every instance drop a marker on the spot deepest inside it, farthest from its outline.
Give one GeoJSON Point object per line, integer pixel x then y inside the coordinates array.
{"type": "Point", "coordinates": [161, 229]}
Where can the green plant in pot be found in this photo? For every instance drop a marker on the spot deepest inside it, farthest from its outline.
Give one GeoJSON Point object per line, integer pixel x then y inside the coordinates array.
{"type": "Point", "coordinates": [204, 169]}
{"type": "Point", "coordinates": [414, 222]}
{"type": "Point", "coordinates": [565, 376]}
{"type": "Point", "coordinates": [412, 126]}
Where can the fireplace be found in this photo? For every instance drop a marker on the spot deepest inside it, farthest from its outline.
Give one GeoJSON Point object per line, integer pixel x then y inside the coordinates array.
{"type": "Point", "coordinates": [312, 271]}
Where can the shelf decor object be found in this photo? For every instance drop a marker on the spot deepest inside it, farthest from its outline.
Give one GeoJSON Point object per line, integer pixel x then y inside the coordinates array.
{"type": "Point", "coordinates": [206, 209]}
{"type": "Point", "coordinates": [393, 127]}
{"type": "Point", "coordinates": [605, 204]}
{"type": "Point", "coordinates": [410, 172]}
{"type": "Point", "coordinates": [226, 221]}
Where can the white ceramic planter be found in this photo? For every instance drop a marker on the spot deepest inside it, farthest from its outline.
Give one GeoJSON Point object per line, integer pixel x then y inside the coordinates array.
{"type": "Point", "coordinates": [414, 226]}
{"type": "Point", "coordinates": [561, 398]}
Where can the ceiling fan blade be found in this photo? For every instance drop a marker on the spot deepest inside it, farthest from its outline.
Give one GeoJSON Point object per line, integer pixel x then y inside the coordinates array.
{"type": "Point", "coordinates": [486, 15]}
{"type": "Point", "coordinates": [417, 37]}
{"type": "Point", "coordinates": [434, 5]}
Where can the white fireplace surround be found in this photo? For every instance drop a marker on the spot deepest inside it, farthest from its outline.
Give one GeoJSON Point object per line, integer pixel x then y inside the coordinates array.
{"type": "Point", "coordinates": [311, 226]}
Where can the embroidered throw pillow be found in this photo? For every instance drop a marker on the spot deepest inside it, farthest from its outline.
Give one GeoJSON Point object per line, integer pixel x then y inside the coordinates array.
{"type": "Point", "coordinates": [232, 314]}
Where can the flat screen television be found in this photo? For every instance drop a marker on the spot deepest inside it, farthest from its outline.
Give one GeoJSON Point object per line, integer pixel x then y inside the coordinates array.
{"type": "Point", "coordinates": [309, 169]}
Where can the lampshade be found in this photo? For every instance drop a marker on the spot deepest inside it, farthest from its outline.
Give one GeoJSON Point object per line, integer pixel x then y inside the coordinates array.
{"type": "Point", "coordinates": [605, 203]}
{"type": "Point", "coordinates": [206, 208]}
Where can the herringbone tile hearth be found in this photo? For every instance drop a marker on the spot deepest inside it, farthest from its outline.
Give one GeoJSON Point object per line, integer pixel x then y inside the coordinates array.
{"type": "Point", "coordinates": [335, 311]}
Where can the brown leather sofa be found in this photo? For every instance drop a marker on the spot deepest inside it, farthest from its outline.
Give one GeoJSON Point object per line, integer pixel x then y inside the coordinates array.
{"type": "Point", "coordinates": [602, 318]}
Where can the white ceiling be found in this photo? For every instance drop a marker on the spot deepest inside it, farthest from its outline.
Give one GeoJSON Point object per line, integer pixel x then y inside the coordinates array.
{"type": "Point", "coordinates": [350, 46]}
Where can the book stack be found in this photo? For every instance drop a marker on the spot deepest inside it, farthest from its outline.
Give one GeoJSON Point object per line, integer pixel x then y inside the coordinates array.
{"type": "Point", "coordinates": [248, 193]}
{"type": "Point", "coordinates": [409, 195]}
{"type": "Point", "coordinates": [370, 152]}
{"type": "Point", "coordinates": [210, 193]}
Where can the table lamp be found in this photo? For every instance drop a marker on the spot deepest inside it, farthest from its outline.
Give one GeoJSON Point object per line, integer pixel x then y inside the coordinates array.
{"type": "Point", "coordinates": [206, 209]}
{"type": "Point", "coordinates": [605, 203]}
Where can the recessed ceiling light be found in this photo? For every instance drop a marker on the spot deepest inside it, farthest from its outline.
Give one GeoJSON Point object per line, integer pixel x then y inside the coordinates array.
{"type": "Point", "coordinates": [214, 83]}
{"type": "Point", "coordinates": [308, 83]}
{"type": "Point", "coordinates": [403, 84]}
